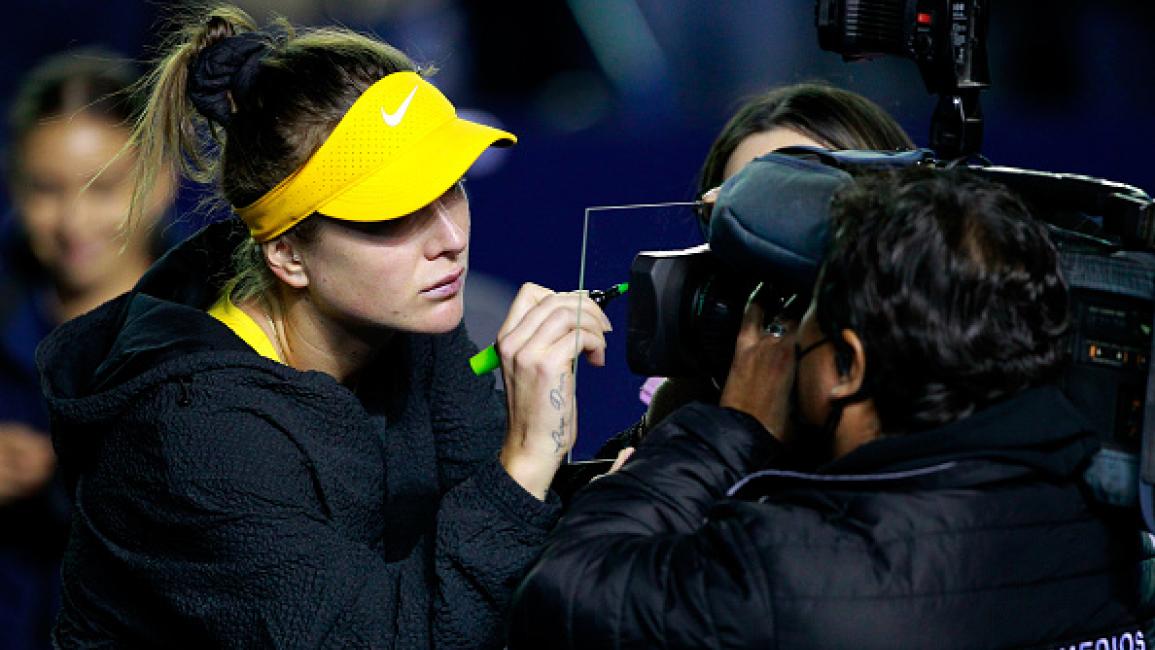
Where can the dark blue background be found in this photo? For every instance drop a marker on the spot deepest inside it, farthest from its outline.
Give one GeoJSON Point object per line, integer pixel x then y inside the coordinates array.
{"type": "Point", "coordinates": [618, 101]}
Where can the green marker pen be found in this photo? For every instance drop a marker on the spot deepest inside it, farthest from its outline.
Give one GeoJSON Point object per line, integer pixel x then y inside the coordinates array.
{"type": "Point", "coordinates": [487, 360]}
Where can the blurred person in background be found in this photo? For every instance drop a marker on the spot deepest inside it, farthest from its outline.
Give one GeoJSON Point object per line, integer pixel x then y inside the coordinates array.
{"type": "Point", "coordinates": [276, 438]}
{"type": "Point", "coordinates": [62, 252]}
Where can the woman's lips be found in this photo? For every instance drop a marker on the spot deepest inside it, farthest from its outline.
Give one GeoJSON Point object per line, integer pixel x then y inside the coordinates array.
{"type": "Point", "coordinates": [447, 286]}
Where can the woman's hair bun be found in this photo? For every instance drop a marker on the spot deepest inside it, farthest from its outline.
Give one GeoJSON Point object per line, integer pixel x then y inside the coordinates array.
{"type": "Point", "coordinates": [221, 75]}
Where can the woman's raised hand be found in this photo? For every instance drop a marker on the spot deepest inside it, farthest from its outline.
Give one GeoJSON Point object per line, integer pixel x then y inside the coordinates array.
{"type": "Point", "coordinates": [538, 343]}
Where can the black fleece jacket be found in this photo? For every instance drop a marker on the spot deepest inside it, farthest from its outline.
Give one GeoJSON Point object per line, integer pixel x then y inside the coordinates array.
{"type": "Point", "coordinates": [973, 535]}
{"type": "Point", "coordinates": [224, 500]}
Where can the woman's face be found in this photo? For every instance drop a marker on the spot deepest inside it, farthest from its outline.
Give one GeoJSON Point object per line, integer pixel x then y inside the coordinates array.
{"type": "Point", "coordinates": [405, 274]}
{"type": "Point", "coordinates": [763, 142]}
{"type": "Point", "coordinates": [74, 230]}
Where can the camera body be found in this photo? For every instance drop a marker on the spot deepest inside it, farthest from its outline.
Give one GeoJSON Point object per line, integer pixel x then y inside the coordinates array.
{"type": "Point", "coordinates": [770, 226]}
{"type": "Point", "coordinates": [1109, 375]}
{"type": "Point", "coordinates": [685, 310]}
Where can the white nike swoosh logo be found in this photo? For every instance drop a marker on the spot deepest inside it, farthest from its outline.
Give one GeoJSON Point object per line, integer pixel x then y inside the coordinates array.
{"type": "Point", "coordinates": [394, 118]}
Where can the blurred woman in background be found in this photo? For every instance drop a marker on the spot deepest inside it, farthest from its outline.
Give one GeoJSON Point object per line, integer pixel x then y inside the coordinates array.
{"type": "Point", "coordinates": [63, 252]}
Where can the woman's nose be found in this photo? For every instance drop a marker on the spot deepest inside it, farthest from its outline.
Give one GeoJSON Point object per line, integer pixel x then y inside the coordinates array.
{"type": "Point", "coordinates": [75, 217]}
{"type": "Point", "coordinates": [450, 232]}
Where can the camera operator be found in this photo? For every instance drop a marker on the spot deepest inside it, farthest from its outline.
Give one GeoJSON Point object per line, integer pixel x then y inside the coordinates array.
{"type": "Point", "coordinates": [949, 511]}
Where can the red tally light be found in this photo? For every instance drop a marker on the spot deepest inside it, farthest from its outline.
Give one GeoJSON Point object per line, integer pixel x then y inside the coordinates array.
{"type": "Point", "coordinates": [924, 18]}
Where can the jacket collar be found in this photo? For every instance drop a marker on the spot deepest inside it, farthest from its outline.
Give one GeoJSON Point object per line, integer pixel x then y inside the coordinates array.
{"type": "Point", "coordinates": [1038, 428]}
{"type": "Point", "coordinates": [1037, 431]}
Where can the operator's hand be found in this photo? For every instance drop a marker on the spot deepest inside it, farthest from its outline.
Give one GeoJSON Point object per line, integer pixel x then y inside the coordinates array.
{"type": "Point", "coordinates": [537, 347]}
{"type": "Point", "coordinates": [26, 461]}
{"type": "Point", "coordinates": [762, 373]}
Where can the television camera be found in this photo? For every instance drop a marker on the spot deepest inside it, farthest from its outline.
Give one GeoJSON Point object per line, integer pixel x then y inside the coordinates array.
{"type": "Point", "coordinates": [770, 225]}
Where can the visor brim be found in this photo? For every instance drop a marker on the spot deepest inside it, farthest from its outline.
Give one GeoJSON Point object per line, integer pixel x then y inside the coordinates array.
{"type": "Point", "coordinates": [419, 176]}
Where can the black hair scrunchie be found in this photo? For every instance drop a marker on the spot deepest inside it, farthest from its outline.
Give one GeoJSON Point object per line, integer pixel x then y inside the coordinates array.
{"type": "Point", "coordinates": [227, 65]}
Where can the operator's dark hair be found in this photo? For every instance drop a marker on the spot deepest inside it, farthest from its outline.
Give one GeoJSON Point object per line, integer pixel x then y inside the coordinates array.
{"type": "Point", "coordinates": [953, 288]}
{"type": "Point", "coordinates": [836, 118]}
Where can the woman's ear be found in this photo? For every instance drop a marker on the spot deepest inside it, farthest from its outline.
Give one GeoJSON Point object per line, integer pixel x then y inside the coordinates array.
{"type": "Point", "coordinates": [851, 361]}
{"type": "Point", "coordinates": [285, 262]}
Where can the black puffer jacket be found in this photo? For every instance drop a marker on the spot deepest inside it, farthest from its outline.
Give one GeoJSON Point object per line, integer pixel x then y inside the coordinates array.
{"type": "Point", "coordinates": [223, 500]}
{"type": "Point", "coordinates": [974, 535]}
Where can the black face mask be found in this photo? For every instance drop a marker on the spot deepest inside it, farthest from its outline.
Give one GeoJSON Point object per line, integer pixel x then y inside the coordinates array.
{"type": "Point", "coordinates": [813, 445]}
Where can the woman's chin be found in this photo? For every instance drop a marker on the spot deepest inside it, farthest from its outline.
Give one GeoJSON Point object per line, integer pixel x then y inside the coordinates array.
{"type": "Point", "coordinates": [445, 317]}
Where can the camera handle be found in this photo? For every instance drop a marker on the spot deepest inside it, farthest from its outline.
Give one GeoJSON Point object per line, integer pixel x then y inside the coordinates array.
{"type": "Point", "coordinates": [950, 46]}
{"type": "Point", "coordinates": [956, 128]}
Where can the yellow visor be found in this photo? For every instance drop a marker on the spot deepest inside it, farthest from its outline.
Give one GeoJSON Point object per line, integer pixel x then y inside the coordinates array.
{"type": "Point", "coordinates": [398, 148]}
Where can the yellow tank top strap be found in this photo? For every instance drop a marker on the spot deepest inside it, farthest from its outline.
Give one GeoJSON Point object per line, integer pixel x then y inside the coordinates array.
{"type": "Point", "coordinates": [243, 325]}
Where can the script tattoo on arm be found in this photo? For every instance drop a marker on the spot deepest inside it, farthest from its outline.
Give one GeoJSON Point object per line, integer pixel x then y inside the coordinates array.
{"type": "Point", "coordinates": [557, 400]}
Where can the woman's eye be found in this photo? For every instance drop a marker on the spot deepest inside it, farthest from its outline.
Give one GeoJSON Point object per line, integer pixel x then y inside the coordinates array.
{"type": "Point", "coordinates": [42, 187]}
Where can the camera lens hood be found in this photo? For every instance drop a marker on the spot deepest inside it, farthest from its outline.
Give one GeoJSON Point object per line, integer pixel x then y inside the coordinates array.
{"type": "Point", "coordinates": [771, 219]}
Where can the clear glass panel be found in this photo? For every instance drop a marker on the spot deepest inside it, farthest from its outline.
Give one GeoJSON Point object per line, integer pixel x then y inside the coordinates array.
{"type": "Point", "coordinates": [609, 397]}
